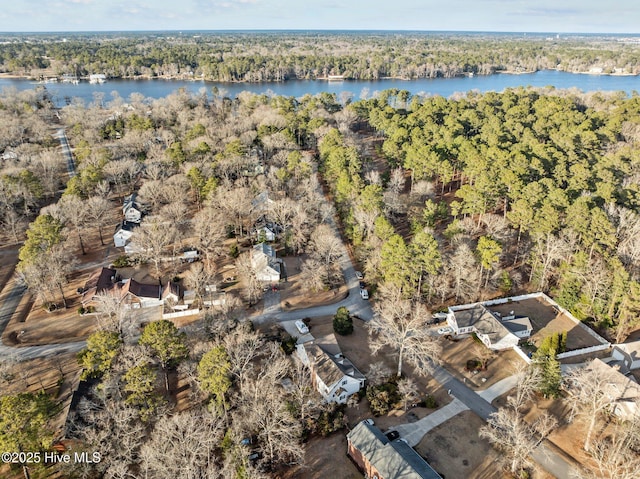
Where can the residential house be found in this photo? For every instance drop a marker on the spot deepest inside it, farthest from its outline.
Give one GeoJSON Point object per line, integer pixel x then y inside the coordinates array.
{"type": "Point", "coordinates": [380, 458]}
{"type": "Point", "coordinates": [265, 263]}
{"type": "Point", "coordinates": [624, 391]}
{"type": "Point", "coordinates": [261, 207]}
{"type": "Point", "coordinates": [131, 209]}
{"type": "Point", "coordinates": [97, 78]}
{"type": "Point", "coordinates": [265, 233]}
{"type": "Point", "coordinates": [139, 295]}
{"type": "Point", "coordinates": [171, 293]}
{"type": "Point", "coordinates": [628, 354]}
{"type": "Point", "coordinates": [123, 234]}
{"type": "Point", "coordinates": [333, 375]}
{"type": "Point", "coordinates": [100, 281]}
{"type": "Point", "coordinates": [495, 331]}
{"type": "Point", "coordinates": [130, 292]}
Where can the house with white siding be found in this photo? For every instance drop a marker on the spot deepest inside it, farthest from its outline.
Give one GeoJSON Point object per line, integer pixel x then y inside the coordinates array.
{"type": "Point", "coordinates": [333, 375]}
{"type": "Point", "coordinates": [497, 332]}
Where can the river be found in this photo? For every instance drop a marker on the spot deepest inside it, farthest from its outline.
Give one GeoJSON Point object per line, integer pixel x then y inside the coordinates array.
{"type": "Point", "coordinates": [63, 92]}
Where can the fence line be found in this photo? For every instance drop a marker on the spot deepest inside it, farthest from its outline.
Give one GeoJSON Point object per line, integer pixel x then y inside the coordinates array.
{"type": "Point", "coordinates": [522, 354]}
{"type": "Point", "coordinates": [578, 352]}
{"type": "Point", "coordinates": [180, 314]}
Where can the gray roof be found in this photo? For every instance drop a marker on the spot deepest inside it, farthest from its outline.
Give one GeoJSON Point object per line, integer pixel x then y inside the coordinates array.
{"type": "Point", "coordinates": [392, 459]}
{"type": "Point", "coordinates": [331, 367]}
{"type": "Point", "coordinates": [265, 249]}
{"type": "Point", "coordinates": [484, 322]}
{"type": "Point", "coordinates": [518, 323]}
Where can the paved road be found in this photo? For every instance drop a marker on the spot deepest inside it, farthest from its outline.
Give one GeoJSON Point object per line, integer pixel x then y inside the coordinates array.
{"type": "Point", "coordinates": [10, 303]}
{"type": "Point", "coordinates": [66, 151]}
{"type": "Point", "coordinates": [353, 302]}
{"type": "Point", "coordinates": [545, 455]}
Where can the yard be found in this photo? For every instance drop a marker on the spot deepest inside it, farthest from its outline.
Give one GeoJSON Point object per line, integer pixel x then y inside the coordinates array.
{"type": "Point", "coordinates": [546, 320]}
{"type": "Point", "coordinates": [456, 353]}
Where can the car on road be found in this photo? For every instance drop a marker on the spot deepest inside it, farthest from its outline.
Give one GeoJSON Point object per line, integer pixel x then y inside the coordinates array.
{"type": "Point", "coordinates": [301, 327]}
{"type": "Point", "coordinates": [364, 294]}
{"type": "Point", "coordinates": [359, 275]}
{"type": "Point", "coordinates": [362, 285]}
{"type": "Point", "coordinates": [445, 330]}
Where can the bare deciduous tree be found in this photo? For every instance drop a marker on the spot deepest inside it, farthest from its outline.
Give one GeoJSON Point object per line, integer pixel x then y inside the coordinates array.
{"type": "Point", "coordinates": [589, 397]}
{"type": "Point", "coordinates": [315, 274]}
{"type": "Point", "coordinates": [326, 244]}
{"type": "Point", "coordinates": [183, 445]}
{"type": "Point", "coordinates": [378, 373]}
{"type": "Point", "coordinates": [401, 325]}
{"type": "Point", "coordinates": [99, 213]}
{"type": "Point", "coordinates": [112, 313]}
{"type": "Point", "coordinates": [408, 389]}
{"type": "Point", "coordinates": [616, 454]}
{"type": "Point", "coordinates": [210, 230]}
{"type": "Point", "coordinates": [151, 240]}
{"type": "Point", "coordinates": [516, 439]}
{"type": "Point", "coordinates": [253, 287]}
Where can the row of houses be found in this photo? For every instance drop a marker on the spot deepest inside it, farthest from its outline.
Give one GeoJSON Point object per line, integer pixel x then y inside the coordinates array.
{"type": "Point", "coordinates": [131, 292]}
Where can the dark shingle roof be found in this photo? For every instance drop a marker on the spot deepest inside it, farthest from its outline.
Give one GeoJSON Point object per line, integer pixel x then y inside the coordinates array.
{"type": "Point", "coordinates": [392, 459]}
{"type": "Point", "coordinates": [484, 322]}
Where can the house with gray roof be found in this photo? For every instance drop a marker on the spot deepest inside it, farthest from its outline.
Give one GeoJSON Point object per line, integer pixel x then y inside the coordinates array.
{"type": "Point", "coordinates": [333, 375]}
{"type": "Point", "coordinates": [264, 263]}
{"type": "Point", "coordinates": [623, 391]}
{"type": "Point", "coordinates": [131, 209]}
{"type": "Point", "coordinates": [497, 332]}
{"type": "Point", "coordinates": [628, 354]}
{"type": "Point", "coordinates": [380, 458]}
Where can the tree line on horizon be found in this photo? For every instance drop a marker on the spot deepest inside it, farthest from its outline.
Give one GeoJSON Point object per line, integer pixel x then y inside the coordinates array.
{"type": "Point", "coordinates": [281, 56]}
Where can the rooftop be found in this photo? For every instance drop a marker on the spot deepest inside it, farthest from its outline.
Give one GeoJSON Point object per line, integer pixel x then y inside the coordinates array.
{"type": "Point", "coordinates": [484, 321]}
{"type": "Point", "coordinates": [392, 459]}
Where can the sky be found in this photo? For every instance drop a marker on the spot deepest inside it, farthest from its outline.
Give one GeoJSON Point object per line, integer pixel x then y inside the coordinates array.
{"type": "Point", "coordinates": [554, 16]}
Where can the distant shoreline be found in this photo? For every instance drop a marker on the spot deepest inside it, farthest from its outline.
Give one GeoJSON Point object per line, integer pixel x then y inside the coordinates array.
{"type": "Point", "coordinates": [18, 76]}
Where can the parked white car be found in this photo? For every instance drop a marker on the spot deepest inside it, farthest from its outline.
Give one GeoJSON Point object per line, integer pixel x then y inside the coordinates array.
{"type": "Point", "coordinates": [301, 327]}
{"type": "Point", "coordinates": [446, 330]}
{"type": "Point", "coordinates": [364, 294]}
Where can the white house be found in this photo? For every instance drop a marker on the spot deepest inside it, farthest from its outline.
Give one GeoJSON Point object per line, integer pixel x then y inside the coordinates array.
{"type": "Point", "coordinates": [131, 209]}
{"type": "Point", "coordinates": [628, 354]}
{"type": "Point", "coordinates": [494, 331]}
{"type": "Point", "coordinates": [123, 234]}
{"type": "Point", "coordinates": [266, 234]}
{"type": "Point", "coordinates": [97, 78]}
{"type": "Point", "coordinates": [333, 375]}
{"type": "Point", "coordinates": [264, 263]}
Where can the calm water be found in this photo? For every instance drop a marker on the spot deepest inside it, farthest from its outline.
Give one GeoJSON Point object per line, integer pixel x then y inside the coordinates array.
{"type": "Point", "coordinates": [62, 93]}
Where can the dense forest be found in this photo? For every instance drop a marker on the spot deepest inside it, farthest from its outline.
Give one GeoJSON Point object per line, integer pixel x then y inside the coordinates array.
{"type": "Point", "coordinates": [280, 56]}
{"type": "Point", "coordinates": [525, 188]}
